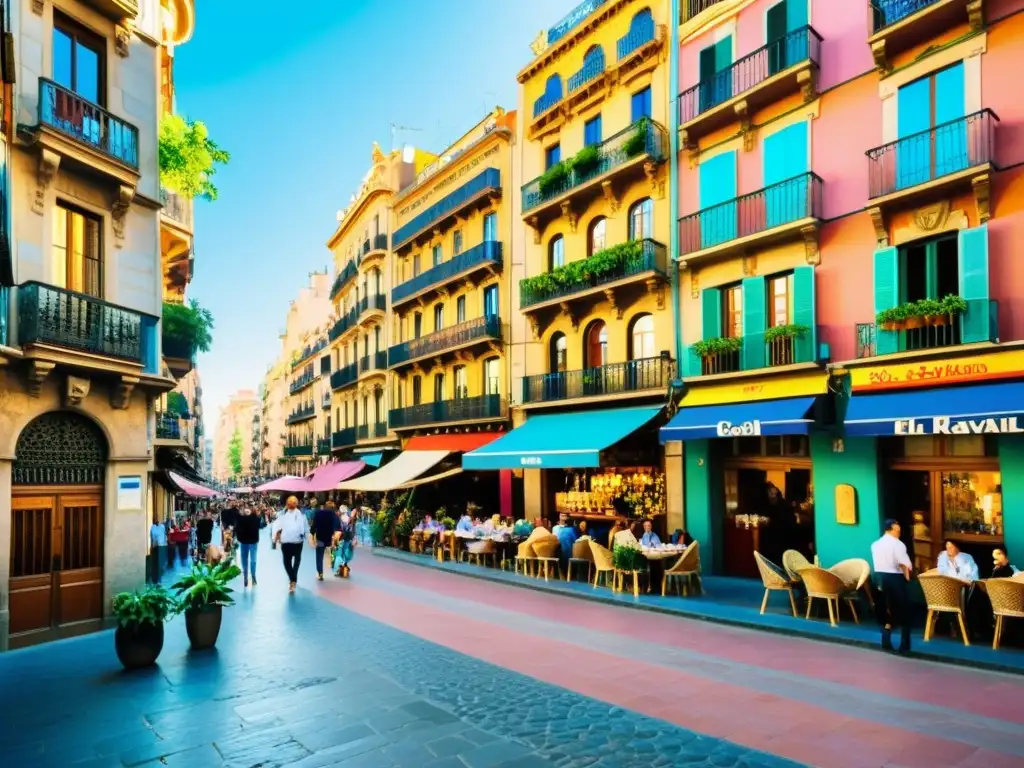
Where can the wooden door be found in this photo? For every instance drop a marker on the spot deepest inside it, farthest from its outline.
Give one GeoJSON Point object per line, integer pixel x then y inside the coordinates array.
{"type": "Point", "coordinates": [32, 564]}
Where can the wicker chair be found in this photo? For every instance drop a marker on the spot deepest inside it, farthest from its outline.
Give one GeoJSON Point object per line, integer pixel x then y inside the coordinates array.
{"type": "Point", "coordinates": [546, 550]}
{"type": "Point", "coordinates": [686, 568]}
{"type": "Point", "coordinates": [794, 562]}
{"type": "Point", "coordinates": [856, 573]}
{"type": "Point", "coordinates": [775, 580]}
{"type": "Point", "coordinates": [525, 558]}
{"type": "Point", "coordinates": [943, 594]}
{"type": "Point", "coordinates": [1007, 596]}
{"type": "Point", "coordinates": [481, 551]}
{"type": "Point", "coordinates": [603, 563]}
{"type": "Point", "coordinates": [581, 556]}
{"type": "Point", "coordinates": [823, 584]}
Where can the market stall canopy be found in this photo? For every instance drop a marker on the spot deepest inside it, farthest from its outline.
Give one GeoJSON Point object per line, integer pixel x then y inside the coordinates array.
{"type": "Point", "coordinates": [789, 416]}
{"type": "Point", "coordinates": [189, 488]}
{"type": "Point", "coordinates": [404, 468]}
{"type": "Point", "coordinates": [563, 440]}
{"type": "Point", "coordinates": [322, 479]}
{"type": "Point", "coordinates": [986, 409]}
{"type": "Point", "coordinates": [276, 484]}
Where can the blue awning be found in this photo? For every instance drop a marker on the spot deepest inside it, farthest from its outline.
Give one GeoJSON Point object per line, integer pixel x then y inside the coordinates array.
{"type": "Point", "coordinates": [984, 409]}
{"type": "Point", "coordinates": [789, 416]}
{"type": "Point", "coordinates": [563, 440]}
{"type": "Point", "coordinates": [372, 459]}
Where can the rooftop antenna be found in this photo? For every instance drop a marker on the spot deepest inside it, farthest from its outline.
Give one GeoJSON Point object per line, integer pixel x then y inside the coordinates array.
{"type": "Point", "coordinates": [396, 128]}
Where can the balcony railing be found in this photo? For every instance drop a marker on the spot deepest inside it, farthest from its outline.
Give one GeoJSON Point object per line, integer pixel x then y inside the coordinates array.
{"type": "Point", "coordinates": [343, 438]}
{"type": "Point", "coordinates": [347, 274]}
{"type": "Point", "coordinates": [380, 242]}
{"type": "Point", "coordinates": [641, 32]}
{"type": "Point", "coordinates": [573, 19]}
{"type": "Point", "coordinates": [302, 413]}
{"type": "Point", "coordinates": [691, 8]}
{"type": "Point", "coordinates": [308, 351]}
{"type": "Point", "coordinates": [644, 138]}
{"type": "Point", "coordinates": [652, 373]}
{"type": "Point", "coordinates": [652, 258]}
{"type": "Point", "coordinates": [343, 323]}
{"type": "Point", "coordinates": [486, 180]}
{"type": "Point", "coordinates": [377, 361]}
{"type": "Point", "coordinates": [178, 348]}
{"type": "Point", "coordinates": [478, 329]}
{"type": "Point", "coordinates": [366, 246]}
{"type": "Point", "coordinates": [302, 382]}
{"type": "Point", "coordinates": [63, 318]}
{"type": "Point", "coordinates": [323, 446]}
{"type": "Point", "coordinates": [775, 206]}
{"type": "Point", "coordinates": [298, 450]}
{"type": "Point", "coordinates": [547, 101]}
{"type": "Point", "coordinates": [800, 45]}
{"type": "Point", "coordinates": [756, 353]}
{"type": "Point", "coordinates": [593, 68]}
{"type": "Point", "coordinates": [981, 318]}
{"type": "Point", "coordinates": [489, 252]}
{"type": "Point", "coordinates": [344, 376]}
{"type": "Point", "coordinates": [177, 208]}
{"type": "Point", "coordinates": [885, 13]}
{"type": "Point", "coordinates": [374, 301]}
{"type": "Point", "coordinates": [325, 401]}
{"type": "Point", "coordinates": [88, 123]}
{"type": "Point", "coordinates": [949, 148]}
{"type": "Point", "coordinates": [168, 428]}
{"type": "Point", "coordinates": [478, 408]}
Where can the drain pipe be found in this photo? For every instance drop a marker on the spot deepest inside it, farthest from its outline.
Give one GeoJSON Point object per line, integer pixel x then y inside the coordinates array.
{"type": "Point", "coordinates": [673, 140]}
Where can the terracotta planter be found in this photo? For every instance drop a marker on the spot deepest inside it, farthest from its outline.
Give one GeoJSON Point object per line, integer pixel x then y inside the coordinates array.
{"type": "Point", "coordinates": [203, 626]}
{"type": "Point", "coordinates": [913, 323]}
{"type": "Point", "coordinates": [138, 645]}
{"type": "Point", "coordinates": [937, 320]}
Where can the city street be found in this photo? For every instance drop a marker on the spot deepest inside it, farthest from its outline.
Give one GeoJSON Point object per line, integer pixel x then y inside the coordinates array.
{"type": "Point", "coordinates": [403, 666]}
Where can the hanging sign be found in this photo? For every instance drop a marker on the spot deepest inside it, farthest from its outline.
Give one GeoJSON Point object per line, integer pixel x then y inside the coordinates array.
{"type": "Point", "coordinates": [746, 429]}
{"type": "Point", "coordinates": [907, 374]}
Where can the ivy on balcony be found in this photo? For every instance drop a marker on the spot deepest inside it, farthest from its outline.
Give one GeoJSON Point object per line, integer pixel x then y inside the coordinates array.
{"type": "Point", "coordinates": [616, 258]}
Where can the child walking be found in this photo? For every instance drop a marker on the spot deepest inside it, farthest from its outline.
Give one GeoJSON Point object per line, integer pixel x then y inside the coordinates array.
{"type": "Point", "coordinates": [343, 550]}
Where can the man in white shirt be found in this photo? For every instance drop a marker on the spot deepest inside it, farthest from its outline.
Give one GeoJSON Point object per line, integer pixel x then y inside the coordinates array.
{"type": "Point", "coordinates": [157, 550]}
{"type": "Point", "coordinates": [892, 568]}
{"type": "Point", "coordinates": [957, 564]}
{"type": "Point", "coordinates": [291, 529]}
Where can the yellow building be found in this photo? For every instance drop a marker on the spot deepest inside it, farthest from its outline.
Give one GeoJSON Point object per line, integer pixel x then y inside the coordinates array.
{"type": "Point", "coordinates": [236, 419]}
{"type": "Point", "coordinates": [309, 403]}
{"type": "Point", "coordinates": [591, 273]}
{"type": "Point", "coordinates": [274, 414]}
{"type": "Point", "coordinates": [451, 300]}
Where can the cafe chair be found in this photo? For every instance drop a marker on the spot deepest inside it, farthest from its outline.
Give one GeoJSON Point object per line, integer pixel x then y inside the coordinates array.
{"type": "Point", "coordinates": [686, 570]}
{"type": "Point", "coordinates": [825, 585]}
{"type": "Point", "coordinates": [775, 580]}
{"type": "Point", "coordinates": [603, 564]}
{"type": "Point", "coordinates": [943, 594]}
{"type": "Point", "coordinates": [547, 555]}
{"type": "Point", "coordinates": [793, 562]}
{"type": "Point", "coordinates": [856, 573]}
{"type": "Point", "coordinates": [1007, 596]}
{"type": "Point", "coordinates": [526, 558]}
{"type": "Point", "coordinates": [447, 546]}
{"type": "Point", "coordinates": [581, 557]}
{"type": "Point", "coordinates": [481, 551]}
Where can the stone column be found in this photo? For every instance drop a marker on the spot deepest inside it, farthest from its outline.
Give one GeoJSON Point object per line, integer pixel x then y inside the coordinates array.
{"type": "Point", "coordinates": [533, 494]}
{"type": "Point", "coordinates": [126, 531]}
{"type": "Point", "coordinates": [6, 464]}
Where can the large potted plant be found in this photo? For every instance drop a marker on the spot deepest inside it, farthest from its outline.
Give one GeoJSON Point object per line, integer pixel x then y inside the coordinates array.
{"type": "Point", "coordinates": [186, 329]}
{"type": "Point", "coordinates": [139, 636]}
{"type": "Point", "coordinates": [710, 350]}
{"type": "Point", "coordinates": [202, 595]}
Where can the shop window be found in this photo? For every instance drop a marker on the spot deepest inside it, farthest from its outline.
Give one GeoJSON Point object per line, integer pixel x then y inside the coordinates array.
{"type": "Point", "coordinates": [930, 446]}
{"type": "Point", "coordinates": [596, 351]}
{"type": "Point", "coordinates": [786, 445]}
{"type": "Point", "coordinates": [596, 235]}
{"type": "Point", "coordinates": [972, 503]}
{"type": "Point", "coordinates": [556, 253]}
{"type": "Point", "coordinates": [558, 353]}
{"type": "Point", "coordinates": [641, 219]}
{"type": "Point", "coordinates": [641, 338]}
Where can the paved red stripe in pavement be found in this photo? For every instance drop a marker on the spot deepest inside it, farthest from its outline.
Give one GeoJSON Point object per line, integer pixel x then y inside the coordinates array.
{"type": "Point", "coordinates": [785, 727]}
{"type": "Point", "coordinates": [978, 693]}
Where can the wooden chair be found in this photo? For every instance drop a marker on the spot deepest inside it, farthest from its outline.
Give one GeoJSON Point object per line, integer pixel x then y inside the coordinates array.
{"type": "Point", "coordinates": [793, 562]}
{"type": "Point", "coordinates": [581, 556]}
{"type": "Point", "coordinates": [823, 584]}
{"type": "Point", "coordinates": [687, 569]}
{"type": "Point", "coordinates": [856, 573]}
{"type": "Point", "coordinates": [633, 577]}
{"type": "Point", "coordinates": [603, 564]}
{"type": "Point", "coordinates": [481, 551]}
{"type": "Point", "coordinates": [943, 594]}
{"type": "Point", "coordinates": [526, 558]}
{"type": "Point", "coordinates": [546, 550]}
{"type": "Point", "coordinates": [447, 545]}
{"type": "Point", "coordinates": [775, 580]}
{"type": "Point", "coordinates": [1007, 596]}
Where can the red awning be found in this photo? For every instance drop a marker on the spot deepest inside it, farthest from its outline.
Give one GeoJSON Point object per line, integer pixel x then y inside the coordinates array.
{"type": "Point", "coordinates": [189, 488]}
{"type": "Point", "coordinates": [464, 443]}
{"type": "Point", "coordinates": [322, 479]}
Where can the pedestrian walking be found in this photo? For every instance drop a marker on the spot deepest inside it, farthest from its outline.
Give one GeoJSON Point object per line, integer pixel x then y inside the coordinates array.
{"type": "Point", "coordinates": [158, 551]}
{"type": "Point", "coordinates": [325, 524]}
{"type": "Point", "coordinates": [343, 547]}
{"type": "Point", "coordinates": [247, 534]}
{"type": "Point", "coordinates": [290, 531]}
{"type": "Point", "coordinates": [892, 571]}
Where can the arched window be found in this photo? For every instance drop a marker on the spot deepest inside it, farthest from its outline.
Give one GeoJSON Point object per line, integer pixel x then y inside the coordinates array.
{"type": "Point", "coordinates": [559, 350]}
{"type": "Point", "coordinates": [596, 235]}
{"type": "Point", "coordinates": [593, 60]}
{"type": "Point", "coordinates": [641, 219]}
{"type": "Point", "coordinates": [438, 317]}
{"type": "Point", "coordinates": [596, 350]}
{"type": "Point", "coordinates": [642, 21]}
{"type": "Point", "coordinates": [492, 376]}
{"type": "Point", "coordinates": [641, 337]}
{"type": "Point", "coordinates": [556, 253]}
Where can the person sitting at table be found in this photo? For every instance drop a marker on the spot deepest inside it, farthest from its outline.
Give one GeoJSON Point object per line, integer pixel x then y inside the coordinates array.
{"type": "Point", "coordinates": [566, 538]}
{"type": "Point", "coordinates": [582, 529]}
{"type": "Point", "coordinates": [465, 524]}
{"type": "Point", "coordinates": [649, 537]}
{"type": "Point", "coordinates": [619, 527]}
{"type": "Point", "coordinates": [957, 564]}
{"type": "Point", "coordinates": [1001, 568]}
{"type": "Point", "coordinates": [427, 525]}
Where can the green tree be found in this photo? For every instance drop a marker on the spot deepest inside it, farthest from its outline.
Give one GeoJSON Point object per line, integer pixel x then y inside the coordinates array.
{"type": "Point", "coordinates": [235, 453]}
{"type": "Point", "coordinates": [188, 158]}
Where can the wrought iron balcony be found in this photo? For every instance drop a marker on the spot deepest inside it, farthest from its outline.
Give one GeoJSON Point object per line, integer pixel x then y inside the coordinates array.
{"type": "Point", "coordinates": [546, 102]}
{"type": "Point", "coordinates": [573, 19]}
{"type": "Point", "coordinates": [919, 334]}
{"type": "Point", "coordinates": [302, 382]}
{"type": "Point", "coordinates": [756, 213]}
{"type": "Point", "coordinates": [302, 413]}
{"type": "Point", "coordinates": [373, 302]}
{"type": "Point", "coordinates": [87, 123]}
{"type": "Point", "coordinates": [483, 255]}
{"type": "Point", "coordinates": [647, 374]}
{"type": "Point", "coordinates": [308, 351]}
{"type": "Point", "coordinates": [480, 408]}
{"type": "Point", "coordinates": [63, 318]}
{"type": "Point", "coordinates": [887, 13]}
{"type": "Point", "coordinates": [943, 151]}
{"type": "Point", "coordinates": [325, 401]}
{"type": "Point", "coordinates": [177, 348]}
{"type": "Point", "coordinates": [480, 329]}
{"type": "Point", "coordinates": [380, 242]}
{"type": "Point", "coordinates": [323, 446]}
{"type": "Point", "coordinates": [347, 274]}
{"type": "Point", "coordinates": [168, 427]}
{"type": "Point", "coordinates": [651, 259]}
{"type": "Point", "coordinates": [345, 376]}
{"type": "Point", "coordinates": [691, 8]}
{"type": "Point", "coordinates": [643, 139]}
{"type": "Point", "coordinates": [363, 432]}
{"type": "Point", "coordinates": [343, 324]}
{"type": "Point", "coordinates": [343, 438]}
{"type": "Point", "coordinates": [641, 33]}
{"type": "Point", "coordinates": [593, 68]}
{"type": "Point", "coordinates": [757, 352]}
{"type": "Point", "coordinates": [745, 75]}
{"type": "Point", "coordinates": [377, 361]}
{"type": "Point", "coordinates": [177, 208]}
{"type": "Point", "coordinates": [296, 451]}
{"type": "Point", "coordinates": [485, 183]}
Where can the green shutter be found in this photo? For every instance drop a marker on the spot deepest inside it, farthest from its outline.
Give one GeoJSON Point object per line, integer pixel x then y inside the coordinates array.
{"type": "Point", "coordinates": [973, 254]}
{"type": "Point", "coordinates": [805, 347]}
{"type": "Point", "coordinates": [711, 313]}
{"type": "Point", "coordinates": [692, 364]}
{"type": "Point", "coordinates": [776, 33]}
{"type": "Point", "coordinates": [707, 63]}
{"type": "Point", "coordinates": [755, 310]}
{"type": "Point", "coordinates": [887, 295]}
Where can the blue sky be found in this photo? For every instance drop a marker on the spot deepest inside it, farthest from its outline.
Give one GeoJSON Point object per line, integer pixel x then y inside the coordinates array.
{"type": "Point", "coordinates": [297, 98]}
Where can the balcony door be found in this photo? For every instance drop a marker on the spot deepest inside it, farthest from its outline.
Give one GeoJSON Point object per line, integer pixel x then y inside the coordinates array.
{"type": "Point", "coordinates": [76, 253]}
{"type": "Point", "coordinates": [786, 162]}
{"type": "Point", "coordinates": [78, 66]}
{"type": "Point", "coordinates": [718, 219]}
{"type": "Point", "coordinates": [931, 130]}
{"type": "Point", "coordinates": [784, 47]}
{"type": "Point", "coordinates": [716, 74]}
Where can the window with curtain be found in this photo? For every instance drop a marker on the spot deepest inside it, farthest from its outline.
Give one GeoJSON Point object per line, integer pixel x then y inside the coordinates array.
{"type": "Point", "coordinates": [492, 376]}
{"type": "Point", "coordinates": [641, 338]}
{"type": "Point", "coordinates": [641, 219]}
{"type": "Point", "coordinates": [438, 317]}
{"type": "Point", "coordinates": [461, 382]}
{"type": "Point", "coordinates": [596, 352]}
{"type": "Point", "coordinates": [596, 235]}
{"type": "Point", "coordinates": [77, 253]}
{"type": "Point", "coordinates": [438, 254]}
{"type": "Point", "coordinates": [460, 309]}
{"type": "Point", "coordinates": [556, 253]}
{"type": "Point", "coordinates": [490, 228]}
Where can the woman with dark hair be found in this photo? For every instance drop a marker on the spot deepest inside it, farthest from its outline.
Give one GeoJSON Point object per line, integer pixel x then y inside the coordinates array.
{"type": "Point", "coordinates": [1001, 568]}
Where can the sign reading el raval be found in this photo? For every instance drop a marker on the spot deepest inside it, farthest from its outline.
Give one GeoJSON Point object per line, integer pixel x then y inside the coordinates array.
{"type": "Point", "coordinates": [907, 375]}
{"type": "Point", "coordinates": [959, 425]}
{"type": "Point", "coordinates": [746, 429]}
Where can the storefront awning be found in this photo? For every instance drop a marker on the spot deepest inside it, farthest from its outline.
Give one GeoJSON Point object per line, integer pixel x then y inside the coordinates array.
{"type": "Point", "coordinates": [322, 479]}
{"type": "Point", "coordinates": [560, 441]}
{"type": "Point", "coordinates": [277, 484]}
{"type": "Point", "coordinates": [189, 488]}
{"type": "Point", "coordinates": [789, 416]}
{"type": "Point", "coordinates": [465, 442]}
{"type": "Point", "coordinates": [372, 459]}
{"type": "Point", "coordinates": [986, 409]}
{"type": "Point", "coordinates": [405, 467]}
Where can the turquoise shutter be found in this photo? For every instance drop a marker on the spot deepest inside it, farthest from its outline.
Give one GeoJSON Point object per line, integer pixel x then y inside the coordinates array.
{"type": "Point", "coordinates": [707, 76]}
{"type": "Point", "coordinates": [785, 157]}
{"type": "Point", "coordinates": [755, 311]}
{"type": "Point", "coordinates": [973, 268]}
{"type": "Point", "coordinates": [723, 70]}
{"type": "Point", "coordinates": [914, 150]}
{"type": "Point", "coordinates": [711, 313]}
{"type": "Point", "coordinates": [805, 347]}
{"type": "Point", "coordinates": [951, 130]}
{"type": "Point", "coordinates": [887, 295]}
{"type": "Point", "coordinates": [798, 45]}
{"type": "Point", "coordinates": [717, 186]}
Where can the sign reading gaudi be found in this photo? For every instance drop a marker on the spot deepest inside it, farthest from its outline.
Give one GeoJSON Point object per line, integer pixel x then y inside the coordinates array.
{"type": "Point", "coordinates": [746, 429]}
{"type": "Point", "coordinates": [959, 425]}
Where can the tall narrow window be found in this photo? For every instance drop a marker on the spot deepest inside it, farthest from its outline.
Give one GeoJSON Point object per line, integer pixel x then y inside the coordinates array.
{"type": "Point", "coordinates": [417, 325]}
{"type": "Point", "coordinates": [641, 339]}
{"type": "Point", "coordinates": [417, 390]}
{"type": "Point", "coordinates": [597, 345]}
{"type": "Point", "coordinates": [559, 353]}
{"type": "Point", "coordinates": [438, 387]}
{"type": "Point", "coordinates": [378, 406]}
{"type": "Point", "coordinates": [492, 376]}
{"type": "Point", "coordinates": [592, 131]}
{"type": "Point", "coordinates": [415, 264]}
{"type": "Point", "coordinates": [596, 235]}
{"type": "Point", "coordinates": [556, 253]}
{"type": "Point", "coordinates": [366, 410]}
{"type": "Point", "coordinates": [376, 224]}
{"type": "Point", "coordinates": [460, 309]}
{"type": "Point", "coordinates": [491, 228]}
{"type": "Point", "coordinates": [377, 339]}
{"type": "Point", "coordinates": [77, 255]}
{"type": "Point", "coordinates": [78, 60]}
{"type": "Point", "coordinates": [461, 382]}
{"type": "Point", "coordinates": [438, 317]}
{"type": "Point", "coordinates": [732, 311]}
{"type": "Point", "coordinates": [438, 255]}
{"type": "Point", "coordinates": [640, 106]}
{"type": "Point", "coordinates": [552, 155]}
{"type": "Point", "coordinates": [641, 219]}
{"type": "Point", "coordinates": [778, 300]}
{"type": "Point", "coordinates": [457, 242]}
{"type": "Point", "coordinates": [491, 301]}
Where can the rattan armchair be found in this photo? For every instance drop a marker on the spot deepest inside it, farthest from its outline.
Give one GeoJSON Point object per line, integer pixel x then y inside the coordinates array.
{"type": "Point", "coordinates": [775, 580]}
{"type": "Point", "coordinates": [943, 594]}
{"type": "Point", "coordinates": [823, 584]}
{"type": "Point", "coordinates": [856, 573]}
{"type": "Point", "coordinates": [685, 569]}
{"type": "Point", "coordinates": [793, 562]}
{"type": "Point", "coordinates": [526, 558]}
{"type": "Point", "coordinates": [603, 564]}
{"type": "Point", "coordinates": [1007, 596]}
{"type": "Point", "coordinates": [546, 550]}
{"type": "Point", "coordinates": [581, 557]}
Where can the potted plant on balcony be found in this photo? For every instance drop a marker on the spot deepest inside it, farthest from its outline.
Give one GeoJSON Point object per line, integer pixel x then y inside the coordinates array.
{"type": "Point", "coordinates": [953, 305]}
{"type": "Point", "coordinates": [914, 315]}
{"type": "Point", "coordinates": [586, 160]}
{"type": "Point", "coordinates": [202, 594]}
{"type": "Point", "coordinates": [931, 311]}
{"type": "Point", "coordinates": [177, 405]}
{"type": "Point", "coordinates": [187, 327]}
{"type": "Point", "coordinates": [553, 179]}
{"type": "Point", "coordinates": [779, 340]}
{"type": "Point", "coordinates": [790, 331]}
{"type": "Point", "coordinates": [711, 349]}
{"type": "Point", "coordinates": [637, 142]}
{"type": "Point", "coordinates": [140, 615]}
{"type": "Point", "coordinates": [892, 319]}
